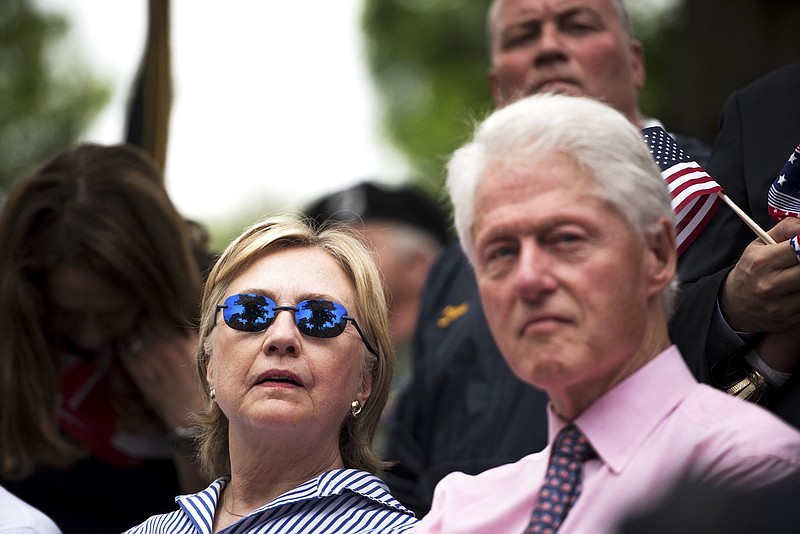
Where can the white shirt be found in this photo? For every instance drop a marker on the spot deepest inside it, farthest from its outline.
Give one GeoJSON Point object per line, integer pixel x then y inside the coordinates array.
{"type": "Point", "coordinates": [19, 517]}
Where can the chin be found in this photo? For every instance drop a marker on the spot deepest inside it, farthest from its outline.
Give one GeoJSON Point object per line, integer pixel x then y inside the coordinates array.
{"type": "Point", "coordinates": [272, 412]}
{"type": "Point", "coordinates": [546, 367]}
{"type": "Point", "coordinates": [565, 89]}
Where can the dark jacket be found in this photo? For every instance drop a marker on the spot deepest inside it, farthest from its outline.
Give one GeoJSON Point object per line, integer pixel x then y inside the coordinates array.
{"type": "Point", "coordinates": [759, 129]}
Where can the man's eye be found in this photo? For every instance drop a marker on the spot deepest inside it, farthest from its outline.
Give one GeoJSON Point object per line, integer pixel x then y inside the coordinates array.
{"type": "Point", "coordinates": [501, 252]}
{"type": "Point", "coordinates": [519, 38]}
{"type": "Point", "coordinates": [569, 238]}
{"type": "Point", "coordinates": [565, 239]}
{"type": "Point", "coordinates": [497, 260]}
{"type": "Point", "coordinates": [577, 27]}
{"type": "Point", "coordinates": [496, 253]}
{"type": "Point", "coordinates": [580, 23]}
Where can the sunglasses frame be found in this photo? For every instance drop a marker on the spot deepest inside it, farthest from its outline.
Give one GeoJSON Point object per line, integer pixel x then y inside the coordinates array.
{"type": "Point", "coordinates": [294, 309]}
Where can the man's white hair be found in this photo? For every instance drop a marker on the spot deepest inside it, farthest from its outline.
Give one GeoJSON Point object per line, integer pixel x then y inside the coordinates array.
{"type": "Point", "coordinates": [602, 143]}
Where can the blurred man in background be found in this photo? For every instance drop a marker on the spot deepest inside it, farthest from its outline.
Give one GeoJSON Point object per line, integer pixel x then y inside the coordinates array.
{"type": "Point", "coordinates": [407, 231]}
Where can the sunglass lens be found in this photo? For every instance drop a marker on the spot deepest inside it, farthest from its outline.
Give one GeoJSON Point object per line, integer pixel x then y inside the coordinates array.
{"type": "Point", "coordinates": [320, 318]}
{"type": "Point", "coordinates": [249, 313]}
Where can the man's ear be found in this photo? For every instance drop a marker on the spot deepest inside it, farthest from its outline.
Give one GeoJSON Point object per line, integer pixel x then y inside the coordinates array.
{"type": "Point", "coordinates": [662, 256]}
{"type": "Point", "coordinates": [637, 64]}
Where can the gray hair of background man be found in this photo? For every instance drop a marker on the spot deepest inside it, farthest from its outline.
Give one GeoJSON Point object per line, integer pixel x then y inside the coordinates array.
{"type": "Point", "coordinates": [492, 13]}
{"type": "Point", "coordinates": [598, 139]}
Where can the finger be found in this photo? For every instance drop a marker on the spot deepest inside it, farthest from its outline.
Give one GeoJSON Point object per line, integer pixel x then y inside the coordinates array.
{"type": "Point", "coordinates": [785, 230]}
{"type": "Point", "coordinates": [779, 284]}
{"type": "Point", "coordinates": [130, 349]}
{"type": "Point", "coordinates": [780, 256]}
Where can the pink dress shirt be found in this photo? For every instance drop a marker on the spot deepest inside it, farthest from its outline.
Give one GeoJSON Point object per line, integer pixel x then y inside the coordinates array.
{"type": "Point", "coordinates": [654, 427]}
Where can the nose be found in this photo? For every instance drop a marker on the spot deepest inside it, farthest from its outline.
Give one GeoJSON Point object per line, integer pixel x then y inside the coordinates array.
{"type": "Point", "coordinates": [534, 274]}
{"type": "Point", "coordinates": [282, 335]}
{"type": "Point", "coordinates": [89, 334]}
{"type": "Point", "coordinates": [551, 46]}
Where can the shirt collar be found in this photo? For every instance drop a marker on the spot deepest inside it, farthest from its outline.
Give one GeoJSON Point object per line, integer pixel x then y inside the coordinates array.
{"type": "Point", "coordinates": [201, 506]}
{"type": "Point", "coordinates": [650, 122]}
{"type": "Point", "coordinates": [617, 423]}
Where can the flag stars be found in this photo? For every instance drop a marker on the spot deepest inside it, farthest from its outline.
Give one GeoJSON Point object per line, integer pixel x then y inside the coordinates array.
{"type": "Point", "coordinates": [783, 197]}
{"type": "Point", "coordinates": [663, 148]}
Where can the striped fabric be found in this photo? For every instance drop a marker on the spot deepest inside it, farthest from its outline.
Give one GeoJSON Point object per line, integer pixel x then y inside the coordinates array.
{"type": "Point", "coordinates": [693, 192]}
{"type": "Point", "coordinates": [336, 502]}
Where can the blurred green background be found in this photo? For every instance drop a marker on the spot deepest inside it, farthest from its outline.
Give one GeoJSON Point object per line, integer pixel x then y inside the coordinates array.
{"type": "Point", "coordinates": [428, 61]}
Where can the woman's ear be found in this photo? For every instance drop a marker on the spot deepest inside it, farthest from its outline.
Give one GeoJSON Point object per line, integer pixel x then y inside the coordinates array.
{"type": "Point", "coordinates": [365, 390]}
{"type": "Point", "coordinates": [210, 374]}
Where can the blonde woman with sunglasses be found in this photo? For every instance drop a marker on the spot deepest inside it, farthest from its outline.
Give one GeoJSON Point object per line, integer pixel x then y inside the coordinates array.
{"type": "Point", "coordinates": [296, 359]}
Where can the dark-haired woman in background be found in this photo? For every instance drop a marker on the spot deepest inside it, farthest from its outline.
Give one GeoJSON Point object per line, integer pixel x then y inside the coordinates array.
{"type": "Point", "coordinates": [99, 292]}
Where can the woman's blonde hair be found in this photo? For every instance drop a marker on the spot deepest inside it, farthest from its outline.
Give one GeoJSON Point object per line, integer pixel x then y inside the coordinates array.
{"type": "Point", "coordinates": [260, 240]}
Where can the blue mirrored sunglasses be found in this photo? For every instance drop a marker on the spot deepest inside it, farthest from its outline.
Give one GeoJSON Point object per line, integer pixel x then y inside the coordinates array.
{"type": "Point", "coordinates": [315, 318]}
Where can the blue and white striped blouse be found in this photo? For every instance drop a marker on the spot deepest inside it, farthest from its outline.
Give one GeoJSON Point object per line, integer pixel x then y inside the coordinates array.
{"type": "Point", "coordinates": [336, 502]}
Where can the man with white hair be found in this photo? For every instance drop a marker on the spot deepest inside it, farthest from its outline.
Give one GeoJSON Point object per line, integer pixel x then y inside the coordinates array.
{"type": "Point", "coordinates": [568, 225]}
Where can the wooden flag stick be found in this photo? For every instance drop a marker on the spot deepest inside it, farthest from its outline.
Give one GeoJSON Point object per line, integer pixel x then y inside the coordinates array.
{"type": "Point", "coordinates": [765, 237]}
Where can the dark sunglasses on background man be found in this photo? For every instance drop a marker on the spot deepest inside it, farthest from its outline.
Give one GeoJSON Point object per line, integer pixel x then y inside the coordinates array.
{"type": "Point", "coordinates": [248, 312]}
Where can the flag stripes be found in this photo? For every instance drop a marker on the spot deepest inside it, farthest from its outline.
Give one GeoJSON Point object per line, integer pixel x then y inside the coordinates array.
{"type": "Point", "coordinates": [693, 191]}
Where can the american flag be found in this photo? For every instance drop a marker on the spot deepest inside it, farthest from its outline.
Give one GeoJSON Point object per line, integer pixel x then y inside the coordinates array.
{"type": "Point", "coordinates": [783, 198]}
{"type": "Point", "coordinates": [693, 191]}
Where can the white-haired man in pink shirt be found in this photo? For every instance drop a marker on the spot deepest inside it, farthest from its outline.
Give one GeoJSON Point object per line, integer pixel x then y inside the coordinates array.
{"type": "Point", "coordinates": [568, 225]}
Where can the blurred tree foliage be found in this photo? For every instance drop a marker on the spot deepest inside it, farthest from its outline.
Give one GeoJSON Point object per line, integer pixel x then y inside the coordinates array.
{"type": "Point", "coordinates": [429, 60]}
{"type": "Point", "coordinates": [48, 97]}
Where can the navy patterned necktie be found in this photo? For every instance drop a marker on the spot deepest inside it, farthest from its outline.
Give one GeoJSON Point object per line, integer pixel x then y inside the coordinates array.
{"type": "Point", "coordinates": [563, 481]}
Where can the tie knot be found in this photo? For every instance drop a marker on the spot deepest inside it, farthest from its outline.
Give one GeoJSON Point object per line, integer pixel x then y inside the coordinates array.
{"type": "Point", "coordinates": [572, 443]}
